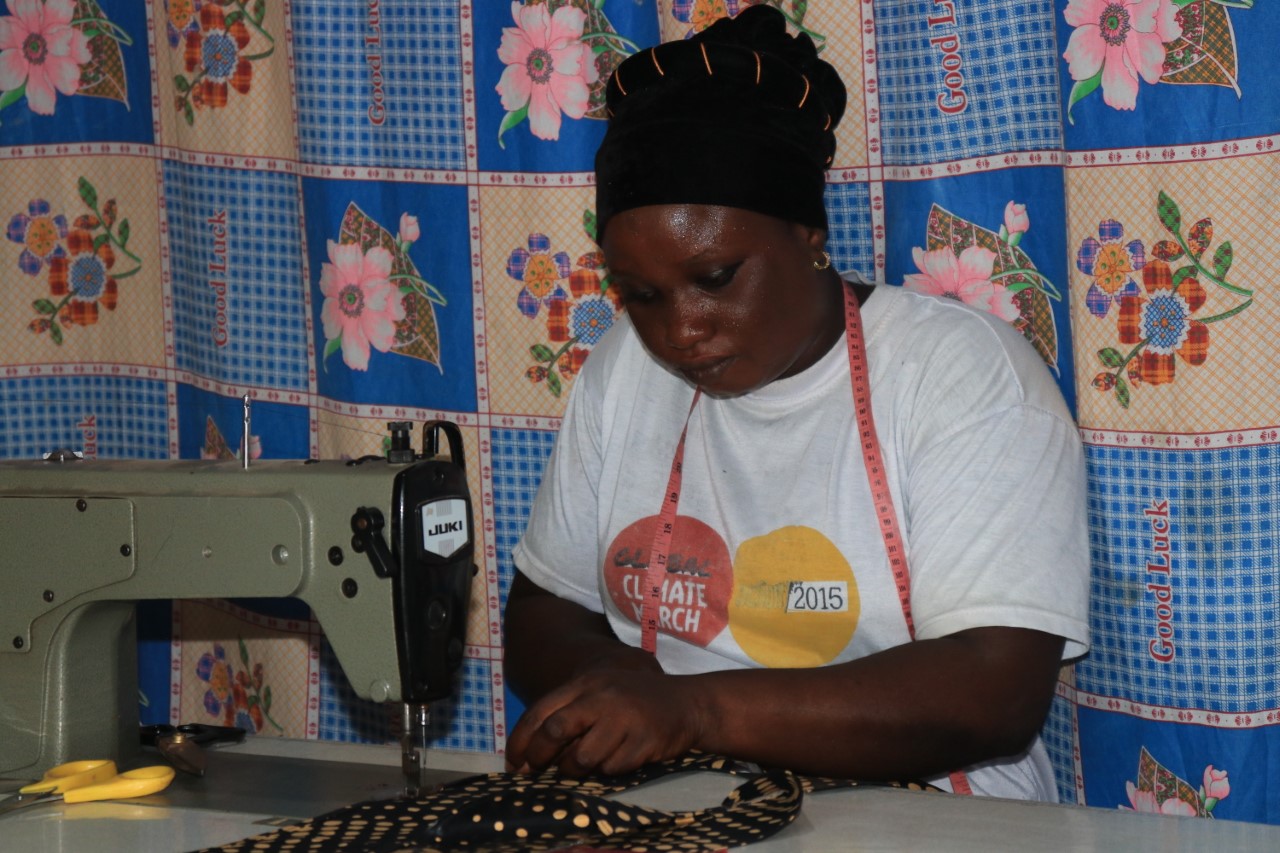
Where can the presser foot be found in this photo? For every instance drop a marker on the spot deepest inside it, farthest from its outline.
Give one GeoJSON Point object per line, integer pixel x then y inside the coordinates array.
{"type": "Point", "coordinates": [413, 750]}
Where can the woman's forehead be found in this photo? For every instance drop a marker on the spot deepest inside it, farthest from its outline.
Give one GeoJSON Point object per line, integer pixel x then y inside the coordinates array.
{"type": "Point", "coordinates": [691, 229]}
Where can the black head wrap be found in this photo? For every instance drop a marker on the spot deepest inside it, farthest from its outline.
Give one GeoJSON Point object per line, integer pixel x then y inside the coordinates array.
{"type": "Point", "coordinates": [740, 115]}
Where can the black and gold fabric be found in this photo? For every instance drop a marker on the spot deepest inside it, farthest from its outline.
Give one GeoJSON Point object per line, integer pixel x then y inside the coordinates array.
{"type": "Point", "coordinates": [505, 812]}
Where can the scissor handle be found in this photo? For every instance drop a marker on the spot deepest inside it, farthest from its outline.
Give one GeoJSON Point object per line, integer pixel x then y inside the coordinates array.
{"type": "Point", "coordinates": [73, 774]}
{"type": "Point", "coordinates": [134, 783]}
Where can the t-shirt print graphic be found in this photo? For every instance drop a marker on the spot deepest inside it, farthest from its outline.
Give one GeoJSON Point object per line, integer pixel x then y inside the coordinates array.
{"type": "Point", "coordinates": [795, 600]}
{"type": "Point", "coordinates": [789, 597]}
{"type": "Point", "coordinates": [695, 591]}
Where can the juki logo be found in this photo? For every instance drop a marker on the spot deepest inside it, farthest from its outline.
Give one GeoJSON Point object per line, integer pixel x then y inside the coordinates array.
{"type": "Point", "coordinates": [444, 526]}
{"type": "Point", "coordinates": [450, 527]}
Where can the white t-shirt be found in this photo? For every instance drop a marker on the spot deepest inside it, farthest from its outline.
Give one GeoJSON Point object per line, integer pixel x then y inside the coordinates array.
{"type": "Point", "coordinates": [776, 558]}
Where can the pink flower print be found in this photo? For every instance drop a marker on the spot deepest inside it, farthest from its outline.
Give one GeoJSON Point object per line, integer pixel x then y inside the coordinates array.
{"type": "Point", "coordinates": [1016, 220]}
{"type": "Point", "coordinates": [541, 273]}
{"type": "Point", "coordinates": [1141, 801]}
{"type": "Point", "coordinates": [361, 307]}
{"type": "Point", "coordinates": [1146, 801]}
{"type": "Point", "coordinates": [549, 68]}
{"type": "Point", "coordinates": [410, 231]}
{"type": "Point", "coordinates": [1175, 806]}
{"type": "Point", "coordinates": [255, 448]}
{"type": "Point", "coordinates": [41, 50]}
{"type": "Point", "coordinates": [966, 278]}
{"type": "Point", "coordinates": [1123, 39]}
{"type": "Point", "coordinates": [1111, 264]}
{"type": "Point", "coordinates": [1216, 787]}
{"type": "Point", "coordinates": [39, 234]}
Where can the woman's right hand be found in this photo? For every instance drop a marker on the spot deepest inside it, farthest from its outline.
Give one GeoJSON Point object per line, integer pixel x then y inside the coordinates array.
{"type": "Point", "coordinates": [609, 720]}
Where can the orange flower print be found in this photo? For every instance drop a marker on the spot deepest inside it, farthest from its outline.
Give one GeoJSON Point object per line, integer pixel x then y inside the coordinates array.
{"type": "Point", "coordinates": [233, 696]}
{"type": "Point", "coordinates": [85, 260]}
{"type": "Point", "coordinates": [700, 14]}
{"type": "Point", "coordinates": [1158, 320]}
{"type": "Point", "coordinates": [243, 703]}
{"type": "Point", "coordinates": [541, 272]}
{"type": "Point", "coordinates": [182, 18]}
{"type": "Point", "coordinates": [216, 49]}
{"type": "Point", "coordinates": [213, 668]}
{"type": "Point", "coordinates": [40, 233]}
{"type": "Point", "coordinates": [540, 276]}
{"type": "Point", "coordinates": [1111, 263]}
{"type": "Point", "coordinates": [84, 274]}
{"type": "Point", "coordinates": [704, 13]}
{"type": "Point", "coordinates": [1162, 318]}
{"type": "Point", "coordinates": [576, 320]}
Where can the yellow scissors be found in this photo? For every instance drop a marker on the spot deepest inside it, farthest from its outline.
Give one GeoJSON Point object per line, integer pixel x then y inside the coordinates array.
{"type": "Point", "coordinates": [87, 781]}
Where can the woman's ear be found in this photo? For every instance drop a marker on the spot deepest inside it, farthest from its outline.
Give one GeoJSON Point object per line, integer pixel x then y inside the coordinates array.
{"type": "Point", "coordinates": [814, 237]}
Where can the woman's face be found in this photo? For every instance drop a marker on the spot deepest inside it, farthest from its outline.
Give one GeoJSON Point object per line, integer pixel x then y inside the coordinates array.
{"type": "Point", "coordinates": [727, 298]}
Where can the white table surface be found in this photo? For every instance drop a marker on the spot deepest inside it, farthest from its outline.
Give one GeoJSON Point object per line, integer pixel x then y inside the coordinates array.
{"type": "Point", "coordinates": [242, 792]}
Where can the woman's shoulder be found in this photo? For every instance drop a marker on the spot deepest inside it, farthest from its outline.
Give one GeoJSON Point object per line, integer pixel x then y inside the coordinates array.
{"type": "Point", "coordinates": [952, 346]}
{"type": "Point", "coordinates": [618, 349]}
{"type": "Point", "coordinates": [916, 317]}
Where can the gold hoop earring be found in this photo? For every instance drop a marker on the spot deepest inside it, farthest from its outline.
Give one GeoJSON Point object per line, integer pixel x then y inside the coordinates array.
{"type": "Point", "coordinates": [824, 264]}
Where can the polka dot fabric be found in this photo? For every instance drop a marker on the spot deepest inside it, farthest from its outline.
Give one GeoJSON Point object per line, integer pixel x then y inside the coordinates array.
{"type": "Point", "coordinates": [502, 812]}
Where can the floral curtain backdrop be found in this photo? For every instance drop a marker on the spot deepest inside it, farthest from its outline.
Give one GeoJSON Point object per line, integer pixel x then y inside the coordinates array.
{"type": "Point", "coordinates": [358, 211]}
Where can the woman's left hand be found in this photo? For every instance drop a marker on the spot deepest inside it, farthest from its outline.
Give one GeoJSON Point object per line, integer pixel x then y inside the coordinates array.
{"type": "Point", "coordinates": [608, 722]}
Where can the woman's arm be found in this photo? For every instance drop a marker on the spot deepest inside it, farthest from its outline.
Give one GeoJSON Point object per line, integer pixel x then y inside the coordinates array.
{"type": "Point", "coordinates": [550, 640]}
{"type": "Point", "coordinates": [916, 710]}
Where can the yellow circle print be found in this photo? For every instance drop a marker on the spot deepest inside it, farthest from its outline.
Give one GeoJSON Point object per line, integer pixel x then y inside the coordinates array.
{"type": "Point", "coordinates": [795, 600]}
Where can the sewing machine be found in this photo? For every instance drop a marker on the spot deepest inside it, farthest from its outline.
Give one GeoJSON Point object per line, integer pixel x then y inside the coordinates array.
{"type": "Point", "coordinates": [82, 540]}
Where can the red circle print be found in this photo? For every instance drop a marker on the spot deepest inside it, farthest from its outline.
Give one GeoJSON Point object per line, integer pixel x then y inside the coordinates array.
{"type": "Point", "coordinates": [696, 590]}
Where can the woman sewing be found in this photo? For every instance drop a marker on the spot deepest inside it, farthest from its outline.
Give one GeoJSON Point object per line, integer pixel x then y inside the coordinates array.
{"type": "Point", "coordinates": [732, 550]}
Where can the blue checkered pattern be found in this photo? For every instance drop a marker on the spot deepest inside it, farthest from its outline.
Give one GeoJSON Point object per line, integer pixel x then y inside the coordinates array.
{"type": "Point", "coordinates": [849, 228]}
{"type": "Point", "coordinates": [418, 50]}
{"type": "Point", "coordinates": [519, 458]}
{"type": "Point", "coordinates": [1010, 68]}
{"type": "Point", "coordinates": [265, 321]}
{"type": "Point", "coordinates": [1058, 741]}
{"type": "Point", "coordinates": [1224, 518]}
{"type": "Point", "coordinates": [344, 716]}
{"type": "Point", "coordinates": [466, 724]}
{"type": "Point", "coordinates": [130, 419]}
{"type": "Point", "coordinates": [463, 723]}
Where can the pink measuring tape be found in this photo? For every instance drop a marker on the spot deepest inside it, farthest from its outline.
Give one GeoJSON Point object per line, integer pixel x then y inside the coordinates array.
{"type": "Point", "coordinates": [656, 570]}
{"type": "Point", "coordinates": [881, 497]}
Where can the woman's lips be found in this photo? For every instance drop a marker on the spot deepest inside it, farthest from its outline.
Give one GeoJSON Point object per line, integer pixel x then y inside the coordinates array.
{"type": "Point", "coordinates": [704, 371]}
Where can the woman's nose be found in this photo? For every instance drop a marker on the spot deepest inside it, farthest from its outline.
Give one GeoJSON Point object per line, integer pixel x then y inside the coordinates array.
{"type": "Point", "coordinates": [686, 325]}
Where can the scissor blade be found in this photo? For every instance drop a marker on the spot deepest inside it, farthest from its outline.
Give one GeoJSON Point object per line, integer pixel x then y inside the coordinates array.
{"type": "Point", "coordinates": [20, 801]}
{"type": "Point", "coordinates": [183, 753]}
